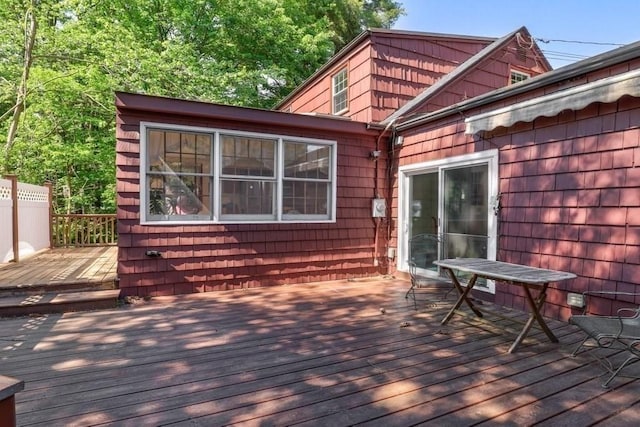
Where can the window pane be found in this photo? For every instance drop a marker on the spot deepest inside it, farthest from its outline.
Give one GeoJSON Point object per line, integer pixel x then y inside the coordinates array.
{"type": "Point", "coordinates": [173, 195]}
{"type": "Point", "coordinates": [339, 91]}
{"type": "Point", "coordinates": [155, 150]}
{"type": "Point", "coordinates": [244, 197]}
{"type": "Point", "coordinates": [340, 102]}
{"type": "Point", "coordinates": [517, 77]}
{"type": "Point", "coordinates": [178, 152]}
{"type": "Point", "coordinates": [340, 81]}
{"type": "Point", "coordinates": [243, 156]}
{"type": "Point", "coordinates": [305, 198]}
{"type": "Point", "coordinates": [306, 160]}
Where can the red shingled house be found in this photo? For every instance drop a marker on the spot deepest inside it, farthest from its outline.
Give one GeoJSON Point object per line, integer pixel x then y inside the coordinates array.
{"type": "Point", "coordinates": [401, 133]}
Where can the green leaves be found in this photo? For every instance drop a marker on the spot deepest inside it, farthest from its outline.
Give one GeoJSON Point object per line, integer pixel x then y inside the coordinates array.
{"type": "Point", "coordinates": [239, 52]}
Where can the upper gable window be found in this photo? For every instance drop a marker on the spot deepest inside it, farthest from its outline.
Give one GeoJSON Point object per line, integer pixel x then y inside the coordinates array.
{"type": "Point", "coordinates": [204, 175]}
{"type": "Point", "coordinates": [339, 91]}
{"type": "Point", "coordinates": [517, 77]}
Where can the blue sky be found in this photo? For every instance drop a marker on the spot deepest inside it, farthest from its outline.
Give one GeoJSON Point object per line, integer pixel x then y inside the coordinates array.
{"type": "Point", "coordinates": [580, 22]}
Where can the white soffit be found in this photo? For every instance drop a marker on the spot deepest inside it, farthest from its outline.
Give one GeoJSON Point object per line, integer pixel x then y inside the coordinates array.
{"type": "Point", "coordinates": [605, 90]}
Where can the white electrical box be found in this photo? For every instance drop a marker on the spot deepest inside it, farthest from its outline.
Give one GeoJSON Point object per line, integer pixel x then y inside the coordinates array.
{"type": "Point", "coordinates": [378, 208]}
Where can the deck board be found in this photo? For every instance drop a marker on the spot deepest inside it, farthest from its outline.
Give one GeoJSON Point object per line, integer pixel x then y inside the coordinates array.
{"type": "Point", "coordinates": [59, 266]}
{"type": "Point", "coordinates": [317, 354]}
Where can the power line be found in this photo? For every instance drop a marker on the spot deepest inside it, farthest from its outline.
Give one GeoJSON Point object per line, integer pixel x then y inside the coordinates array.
{"type": "Point", "coordinates": [547, 41]}
{"type": "Point", "coordinates": [567, 56]}
{"type": "Point", "coordinates": [563, 55]}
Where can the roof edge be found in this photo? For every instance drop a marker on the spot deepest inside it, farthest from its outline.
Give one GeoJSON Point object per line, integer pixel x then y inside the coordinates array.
{"type": "Point", "coordinates": [184, 107]}
{"type": "Point", "coordinates": [586, 66]}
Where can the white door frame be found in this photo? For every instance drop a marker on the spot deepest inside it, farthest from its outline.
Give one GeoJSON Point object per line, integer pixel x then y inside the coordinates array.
{"type": "Point", "coordinates": [489, 157]}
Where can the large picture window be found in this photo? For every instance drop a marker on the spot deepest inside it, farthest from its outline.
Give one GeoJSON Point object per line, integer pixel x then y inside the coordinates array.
{"type": "Point", "coordinates": [207, 175]}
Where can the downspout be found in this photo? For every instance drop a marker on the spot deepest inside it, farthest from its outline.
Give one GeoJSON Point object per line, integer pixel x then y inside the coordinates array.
{"type": "Point", "coordinates": [377, 221]}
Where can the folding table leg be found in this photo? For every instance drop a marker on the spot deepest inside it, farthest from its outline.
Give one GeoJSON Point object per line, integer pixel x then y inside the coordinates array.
{"type": "Point", "coordinates": [463, 296]}
{"type": "Point", "coordinates": [535, 305]}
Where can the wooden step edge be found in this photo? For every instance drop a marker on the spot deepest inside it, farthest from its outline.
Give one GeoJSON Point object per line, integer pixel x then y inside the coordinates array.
{"type": "Point", "coordinates": [59, 302]}
{"type": "Point", "coordinates": [79, 286]}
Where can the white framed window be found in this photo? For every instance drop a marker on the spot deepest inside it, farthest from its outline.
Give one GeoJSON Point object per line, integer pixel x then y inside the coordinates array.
{"type": "Point", "coordinates": [203, 175]}
{"type": "Point", "coordinates": [517, 77]}
{"type": "Point", "coordinates": [339, 91]}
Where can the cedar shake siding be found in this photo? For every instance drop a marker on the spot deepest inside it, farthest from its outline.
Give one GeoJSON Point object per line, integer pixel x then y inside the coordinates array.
{"type": "Point", "coordinates": [492, 73]}
{"type": "Point", "coordinates": [208, 257]}
{"type": "Point", "coordinates": [569, 186]}
{"type": "Point", "coordinates": [388, 68]}
{"type": "Point", "coordinates": [572, 187]}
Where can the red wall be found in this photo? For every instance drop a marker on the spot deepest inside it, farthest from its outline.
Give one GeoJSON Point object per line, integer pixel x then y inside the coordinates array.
{"type": "Point", "coordinates": [198, 258]}
{"type": "Point", "coordinates": [570, 189]}
{"type": "Point", "coordinates": [403, 67]}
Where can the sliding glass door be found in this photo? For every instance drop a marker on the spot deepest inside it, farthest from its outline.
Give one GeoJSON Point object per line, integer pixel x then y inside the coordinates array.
{"type": "Point", "coordinates": [466, 211]}
{"type": "Point", "coordinates": [424, 236]}
{"type": "Point", "coordinates": [446, 212]}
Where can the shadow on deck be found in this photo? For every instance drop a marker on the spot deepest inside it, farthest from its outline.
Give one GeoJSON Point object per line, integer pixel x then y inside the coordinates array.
{"type": "Point", "coordinates": [338, 353]}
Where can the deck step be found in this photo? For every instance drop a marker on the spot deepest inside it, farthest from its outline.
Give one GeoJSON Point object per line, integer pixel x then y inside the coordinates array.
{"type": "Point", "coordinates": [58, 302]}
{"type": "Point", "coordinates": [9, 290]}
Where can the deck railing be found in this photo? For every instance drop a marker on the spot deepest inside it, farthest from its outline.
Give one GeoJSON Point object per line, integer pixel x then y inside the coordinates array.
{"type": "Point", "coordinates": [83, 230]}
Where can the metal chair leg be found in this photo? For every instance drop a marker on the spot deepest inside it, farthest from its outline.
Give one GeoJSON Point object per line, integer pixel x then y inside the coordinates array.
{"type": "Point", "coordinates": [630, 359]}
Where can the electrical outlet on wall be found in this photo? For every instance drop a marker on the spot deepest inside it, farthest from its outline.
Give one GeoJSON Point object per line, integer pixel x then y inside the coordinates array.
{"type": "Point", "coordinates": [379, 208]}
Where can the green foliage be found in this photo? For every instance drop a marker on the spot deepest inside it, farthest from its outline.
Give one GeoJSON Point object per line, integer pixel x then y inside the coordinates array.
{"type": "Point", "coordinates": [239, 52]}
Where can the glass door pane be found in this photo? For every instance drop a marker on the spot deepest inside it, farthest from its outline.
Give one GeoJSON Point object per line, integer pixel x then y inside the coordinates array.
{"type": "Point", "coordinates": [423, 221]}
{"type": "Point", "coordinates": [466, 208]}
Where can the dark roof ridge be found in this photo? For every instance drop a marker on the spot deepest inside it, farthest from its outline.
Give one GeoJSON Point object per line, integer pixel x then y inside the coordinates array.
{"type": "Point", "coordinates": [428, 34]}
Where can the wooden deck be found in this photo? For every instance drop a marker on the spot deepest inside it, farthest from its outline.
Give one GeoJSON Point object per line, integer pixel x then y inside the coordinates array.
{"type": "Point", "coordinates": [316, 355]}
{"type": "Point", "coordinates": [60, 267]}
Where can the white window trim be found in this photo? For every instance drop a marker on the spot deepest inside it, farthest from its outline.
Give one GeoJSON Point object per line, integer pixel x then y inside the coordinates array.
{"type": "Point", "coordinates": [405, 172]}
{"type": "Point", "coordinates": [518, 73]}
{"type": "Point", "coordinates": [216, 212]}
{"type": "Point", "coordinates": [334, 93]}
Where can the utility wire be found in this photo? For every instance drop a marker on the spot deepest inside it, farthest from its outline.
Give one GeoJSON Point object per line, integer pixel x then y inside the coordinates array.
{"type": "Point", "coordinates": [566, 56]}
{"type": "Point", "coordinates": [577, 42]}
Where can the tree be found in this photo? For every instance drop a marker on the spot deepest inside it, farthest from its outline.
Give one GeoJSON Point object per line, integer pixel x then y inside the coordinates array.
{"type": "Point", "coordinates": [62, 60]}
{"type": "Point", "coordinates": [30, 27]}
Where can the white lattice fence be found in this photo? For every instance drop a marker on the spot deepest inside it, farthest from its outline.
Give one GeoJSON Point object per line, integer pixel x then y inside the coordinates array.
{"type": "Point", "coordinates": [33, 219]}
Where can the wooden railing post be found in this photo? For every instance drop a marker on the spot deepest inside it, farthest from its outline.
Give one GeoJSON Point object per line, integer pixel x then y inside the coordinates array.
{"type": "Point", "coordinates": [14, 215]}
{"type": "Point", "coordinates": [50, 201]}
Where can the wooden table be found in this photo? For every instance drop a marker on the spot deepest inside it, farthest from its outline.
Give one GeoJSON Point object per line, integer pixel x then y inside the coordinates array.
{"type": "Point", "coordinates": [8, 388]}
{"type": "Point", "coordinates": [530, 278]}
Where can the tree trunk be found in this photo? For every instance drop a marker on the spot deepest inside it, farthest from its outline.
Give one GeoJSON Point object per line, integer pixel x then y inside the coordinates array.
{"type": "Point", "coordinates": [29, 42]}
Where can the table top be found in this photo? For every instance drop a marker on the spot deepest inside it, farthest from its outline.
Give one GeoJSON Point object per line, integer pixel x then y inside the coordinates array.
{"type": "Point", "coordinates": [505, 271]}
{"type": "Point", "coordinates": [9, 386]}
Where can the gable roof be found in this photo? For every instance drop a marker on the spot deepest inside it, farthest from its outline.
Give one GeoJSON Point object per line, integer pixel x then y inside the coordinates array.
{"type": "Point", "coordinates": [572, 71]}
{"type": "Point", "coordinates": [365, 35]}
{"type": "Point", "coordinates": [458, 73]}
